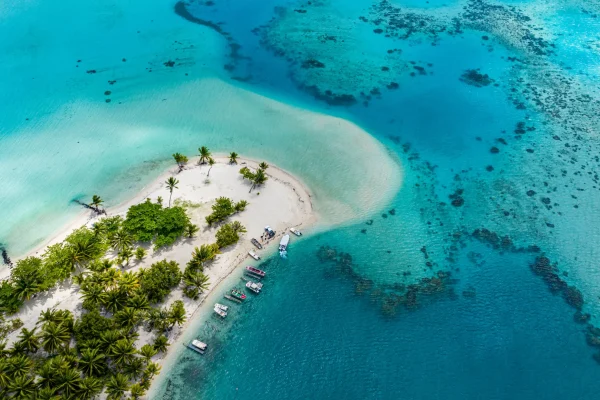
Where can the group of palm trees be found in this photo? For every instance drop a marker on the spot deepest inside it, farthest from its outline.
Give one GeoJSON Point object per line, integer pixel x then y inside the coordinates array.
{"type": "Point", "coordinates": [256, 178]}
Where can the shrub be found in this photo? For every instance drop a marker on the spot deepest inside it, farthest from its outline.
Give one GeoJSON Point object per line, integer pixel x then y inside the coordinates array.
{"type": "Point", "coordinates": [226, 236]}
{"type": "Point", "coordinates": [158, 280]}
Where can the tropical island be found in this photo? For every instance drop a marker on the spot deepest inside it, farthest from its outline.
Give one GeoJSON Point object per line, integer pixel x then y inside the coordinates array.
{"type": "Point", "coordinates": [94, 311]}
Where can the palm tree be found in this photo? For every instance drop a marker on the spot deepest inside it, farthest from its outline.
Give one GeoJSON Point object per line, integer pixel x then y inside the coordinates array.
{"type": "Point", "coordinates": [19, 365]}
{"type": "Point", "coordinates": [202, 254]}
{"type": "Point", "coordinates": [125, 254]}
{"type": "Point", "coordinates": [204, 154]}
{"type": "Point", "coordinates": [191, 230]}
{"type": "Point", "coordinates": [120, 239]}
{"type": "Point", "coordinates": [81, 253]}
{"type": "Point", "coordinates": [29, 340]}
{"type": "Point", "coordinates": [138, 302]}
{"type": "Point", "coordinates": [89, 387]}
{"type": "Point", "coordinates": [114, 300]}
{"type": "Point", "coordinates": [211, 162]}
{"type": "Point", "coordinates": [116, 386]}
{"type": "Point", "coordinates": [240, 205]}
{"type": "Point", "coordinates": [92, 295]}
{"type": "Point", "coordinates": [177, 313]}
{"type": "Point", "coordinates": [140, 253]}
{"type": "Point", "coordinates": [161, 343]}
{"type": "Point", "coordinates": [233, 157]}
{"type": "Point", "coordinates": [151, 370]}
{"type": "Point", "coordinates": [22, 387]}
{"type": "Point", "coordinates": [92, 362]}
{"type": "Point", "coordinates": [122, 351]}
{"type": "Point", "coordinates": [5, 373]}
{"type": "Point", "coordinates": [238, 227]}
{"type": "Point", "coordinates": [147, 351]}
{"type": "Point", "coordinates": [96, 201]}
{"type": "Point", "coordinates": [137, 391]}
{"type": "Point", "coordinates": [54, 336]}
{"type": "Point", "coordinates": [259, 178]}
{"type": "Point", "coordinates": [127, 318]}
{"type": "Point", "coordinates": [196, 279]}
{"type": "Point", "coordinates": [181, 160]}
{"type": "Point", "coordinates": [108, 339]}
{"type": "Point", "coordinates": [23, 289]}
{"type": "Point", "coordinates": [67, 381]}
{"type": "Point", "coordinates": [263, 165]}
{"type": "Point", "coordinates": [171, 184]}
{"type": "Point", "coordinates": [46, 393]}
{"type": "Point", "coordinates": [134, 367]}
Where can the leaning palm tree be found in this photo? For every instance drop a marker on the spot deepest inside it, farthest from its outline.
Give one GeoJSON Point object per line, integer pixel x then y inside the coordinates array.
{"type": "Point", "coordinates": [181, 160]}
{"type": "Point", "coordinates": [259, 178]}
{"type": "Point", "coordinates": [29, 340]}
{"type": "Point", "coordinates": [171, 184]}
{"type": "Point", "coordinates": [22, 387]}
{"type": "Point", "coordinates": [204, 154]}
{"type": "Point", "coordinates": [96, 202]}
{"type": "Point", "coordinates": [151, 370]}
{"type": "Point", "coordinates": [263, 165]}
{"type": "Point", "coordinates": [116, 386]}
{"type": "Point", "coordinates": [54, 336]}
{"type": "Point", "coordinates": [233, 157]}
{"type": "Point", "coordinates": [211, 162]}
{"type": "Point", "coordinates": [92, 362]}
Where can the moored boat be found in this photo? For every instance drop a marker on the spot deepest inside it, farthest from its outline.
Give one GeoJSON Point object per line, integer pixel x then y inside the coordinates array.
{"type": "Point", "coordinates": [238, 294]}
{"type": "Point", "coordinates": [283, 244]}
{"type": "Point", "coordinates": [255, 271]}
{"type": "Point", "coordinates": [252, 254]}
{"type": "Point", "coordinates": [256, 243]}
{"type": "Point", "coordinates": [221, 310]}
{"type": "Point", "coordinates": [295, 231]}
{"type": "Point", "coordinates": [256, 287]}
{"type": "Point", "coordinates": [198, 346]}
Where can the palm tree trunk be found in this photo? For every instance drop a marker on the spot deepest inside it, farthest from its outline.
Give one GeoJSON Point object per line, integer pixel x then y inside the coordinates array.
{"type": "Point", "coordinates": [252, 187]}
{"type": "Point", "coordinates": [170, 195]}
{"type": "Point", "coordinates": [207, 175]}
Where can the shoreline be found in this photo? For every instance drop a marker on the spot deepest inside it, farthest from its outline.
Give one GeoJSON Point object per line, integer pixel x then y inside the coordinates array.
{"type": "Point", "coordinates": [282, 202]}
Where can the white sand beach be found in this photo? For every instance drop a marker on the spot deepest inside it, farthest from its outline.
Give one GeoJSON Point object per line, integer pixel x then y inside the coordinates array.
{"type": "Point", "coordinates": [281, 203]}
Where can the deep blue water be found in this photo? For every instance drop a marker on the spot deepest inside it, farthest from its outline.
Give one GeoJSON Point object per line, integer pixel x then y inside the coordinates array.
{"type": "Point", "coordinates": [310, 335]}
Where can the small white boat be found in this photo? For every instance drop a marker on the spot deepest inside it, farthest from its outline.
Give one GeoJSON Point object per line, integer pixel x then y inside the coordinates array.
{"type": "Point", "coordinates": [283, 244]}
{"type": "Point", "coordinates": [198, 346]}
{"type": "Point", "coordinates": [256, 287]}
{"type": "Point", "coordinates": [295, 231]}
{"type": "Point", "coordinates": [252, 254]}
{"type": "Point", "coordinates": [221, 310]}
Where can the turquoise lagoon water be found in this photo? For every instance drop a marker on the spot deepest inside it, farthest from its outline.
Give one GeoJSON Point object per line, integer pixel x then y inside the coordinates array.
{"type": "Point", "coordinates": [422, 308]}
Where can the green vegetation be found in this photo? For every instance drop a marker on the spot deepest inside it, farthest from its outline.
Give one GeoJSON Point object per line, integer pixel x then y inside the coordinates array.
{"type": "Point", "coordinates": [157, 281]}
{"type": "Point", "coordinates": [256, 178]}
{"type": "Point", "coordinates": [140, 253]}
{"type": "Point", "coordinates": [233, 156]}
{"type": "Point", "coordinates": [204, 154]}
{"type": "Point", "coordinates": [228, 234]}
{"type": "Point", "coordinates": [191, 230]}
{"type": "Point", "coordinates": [150, 222]}
{"type": "Point", "coordinates": [223, 208]}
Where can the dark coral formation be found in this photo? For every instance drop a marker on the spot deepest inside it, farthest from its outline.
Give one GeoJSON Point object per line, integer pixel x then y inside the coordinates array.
{"type": "Point", "coordinates": [389, 297]}
{"type": "Point", "coordinates": [474, 78]}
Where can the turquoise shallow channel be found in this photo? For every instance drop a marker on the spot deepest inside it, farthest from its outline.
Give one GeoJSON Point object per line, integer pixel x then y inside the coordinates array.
{"type": "Point", "coordinates": [452, 148]}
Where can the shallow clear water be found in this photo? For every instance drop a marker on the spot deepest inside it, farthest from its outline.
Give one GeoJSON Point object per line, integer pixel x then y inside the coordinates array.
{"type": "Point", "coordinates": [516, 155]}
